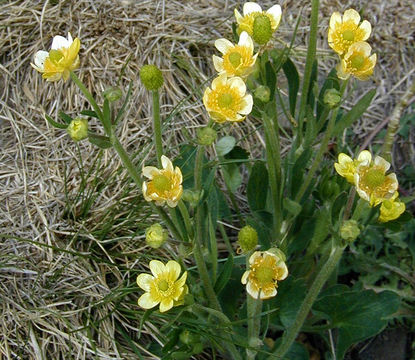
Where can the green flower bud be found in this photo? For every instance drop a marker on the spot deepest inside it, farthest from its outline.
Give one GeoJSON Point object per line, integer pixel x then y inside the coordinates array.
{"type": "Point", "coordinates": [189, 338]}
{"type": "Point", "coordinates": [262, 30]}
{"type": "Point", "coordinates": [262, 93]}
{"type": "Point", "coordinates": [206, 136]}
{"type": "Point", "coordinates": [156, 235]}
{"type": "Point", "coordinates": [350, 230]}
{"type": "Point", "coordinates": [247, 238]}
{"type": "Point", "coordinates": [112, 94]}
{"type": "Point", "coordinates": [332, 98]}
{"type": "Point", "coordinates": [78, 129]}
{"type": "Point", "coordinates": [192, 197]}
{"type": "Point", "coordinates": [152, 77]}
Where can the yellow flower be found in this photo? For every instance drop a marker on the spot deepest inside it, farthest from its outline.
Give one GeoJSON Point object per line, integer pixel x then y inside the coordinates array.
{"type": "Point", "coordinates": [165, 185]}
{"type": "Point", "coordinates": [78, 129]}
{"type": "Point", "coordinates": [227, 99]}
{"type": "Point", "coordinates": [164, 287]}
{"type": "Point", "coordinates": [265, 270]}
{"type": "Point", "coordinates": [252, 10]}
{"type": "Point", "coordinates": [346, 166]}
{"type": "Point", "coordinates": [60, 60]}
{"type": "Point", "coordinates": [346, 30]}
{"type": "Point", "coordinates": [357, 61]}
{"type": "Point", "coordinates": [391, 209]}
{"type": "Point", "coordinates": [372, 183]}
{"type": "Point", "coordinates": [237, 60]}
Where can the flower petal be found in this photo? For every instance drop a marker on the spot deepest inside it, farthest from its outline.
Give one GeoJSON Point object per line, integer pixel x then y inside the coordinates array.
{"type": "Point", "coordinates": [275, 12]}
{"type": "Point", "coordinates": [366, 27]}
{"type": "Point", "coordinates": [335, 19]}
{"type": "Point", "coordinates": [217, 63]}
{"type": "Point", "coordinates": [60, 42]}
{"type": "Point", "coordinates": [166, 163]}
{"type": "Point", "coordinates": [218, 81]}
{"type": "Point", "coordinates": [380, 161]}
{"type": "Point", "coordinates": [40, 58]}
{"type": "Point", "coordinates": [146, 301]}
{"type": "Point", "coordinates": [157, 267]}
{"type": "Point", "coordinates": [246, 40]}
{"type": "Point", "coordinates": [365, 157]}
{"type": "Point", "coordinates": [252, 290]}
{"type": "Point", "coordinates": [250, 7]}
{"type": "Point", "coordinates": [247, 103]}
{"type": "Point", "coordinates": [173, 268]}
{"type": "Point", "coordinates": [254, 257]}
{"type": "Point", "coordinates": [166, 304]}
{"type": "Point", "coordinates": [238, 84]}
{"type": "Point", "coordinates": [150, 171]}
{"type": "Point", "coordinates": [245, 276]}
{"type": "Point", "coordinates": [223, 45]}
{"type": "Point", "coordinates": [144, 281]}
{"type": "Point", "coordinates": [268, 294]}
{"type": "Point", "coordinates": [351, 15]}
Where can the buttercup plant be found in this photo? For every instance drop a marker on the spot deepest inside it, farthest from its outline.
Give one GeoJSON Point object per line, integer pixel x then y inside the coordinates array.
{"type": "Point", "coordinates": [300, 217]}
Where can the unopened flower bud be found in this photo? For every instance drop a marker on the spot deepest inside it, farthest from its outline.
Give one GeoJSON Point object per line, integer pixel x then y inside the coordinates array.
{"type": "Point", "coordinates": [192, 196]}
{"type": "Point", "coordinates": [156, 236]}
{"type": "Point", "coordinates": [152, 77]}
{"type": "Point", "coordinates": [247, 238]}
{"type": "Point", "coordinates": [332, 98]}
{"type": "Point", "coordinates": [262, 93]}
{"type": "Point", "coordinates": [350, 230]}
{"type": "Point", "coordinates": [206, 136]}
{"type": "Point", "coordinates": [78, 129]}
{"type": "Point", "coordinates": [112, 94]}
{"type": "Point", "coordinates": [262, 30]}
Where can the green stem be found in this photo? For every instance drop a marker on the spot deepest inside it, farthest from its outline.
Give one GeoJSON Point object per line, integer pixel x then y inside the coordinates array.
{"type": "Point", "coordinates": [253, 308]}
{"type": "Point", "coordinates": [311, 55]}
{"type": "Point", "coordinates": [157, 126]}
{"type": "Point", "coordinates": [87, 94]}
{"type": "Point", "coordinates": [324, 273]}
{"type": "Point", "coordinates": [322, 149]}
{"type": "Point", "coordinates": [274, 168]}
{"type": "Point", "coordinates": [186, 219]}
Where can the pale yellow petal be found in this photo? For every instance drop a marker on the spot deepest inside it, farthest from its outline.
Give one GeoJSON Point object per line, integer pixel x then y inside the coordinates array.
{"type": "Point", "coordinates": [150, 171]}
{"type": "Point", "coordinates": [254, 257]}
{"type": "Point", "coordinates": [246, 40]}
{"type": "Point", "coordinates": [166, 304]}
{"type": "Point", "coordinates": [283, 270]}
{"type": "Point", "coordinates": [335, 19]}
{"type": "Point", "coordinates": [144, 281]}
{"type": "Point", "coordinates": [268, 294]}
{"type": "Point", "coordinates": [250, 7]}
{"type": "Point", "coordinates": [218, 63]}
{"type": "Point", "coordinates": [157, 267]}
{"type": "Point", "coordinates": [252, 290]}
{"type": "Point", "coordinates": [218, 81]}
{"type": "Point", "coordinates": [341, 73]}
{"type": "Point", "coordinates": [166, 163]}
{"type": "Point", "coordinates": [245, 276]}
{"type": "Point", "coordinates": [238, 16]}
{"type": "Point", "coordinates": [381, 162]}
{"type": "Point", "coordinates": [275, 12]}
{"type": "Point", "coordinates": [60, 42]}
{"type": "Point", "coordinates": [173, 268]}
{"type": "Point", "coordinates": [247, 104]}
{"type": "Point", "coordinates": [367, 29]}
{"type": "Point", "coordinates": [224, 45]}
{"type": "Point", "coordinates": [182, 280]}
{"type": "Point", "coordinates": [146, 301]}
{"type": "Point", "coordinates": [39, 60]}
{"type": "Point", "coordinates": [344, 158]}
{"type": "Point", "coordinates": [351, 15]}
{"type": "Point", "coordinates": [238, 84]}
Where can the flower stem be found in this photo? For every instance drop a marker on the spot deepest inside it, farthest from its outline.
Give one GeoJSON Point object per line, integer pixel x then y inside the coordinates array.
{"type": "Point", "coordinates": [157, 126]}
{"type": "Point", "coordinates": [87, 94]}
{"type": "Point", "coordinates": [323, 275]}
{"type": "Point", "coordinates": [311, 55]}
{"type": "Point", "coordinates": [322, 149]}
{"type": "Point", "coordinates": [253, 308]}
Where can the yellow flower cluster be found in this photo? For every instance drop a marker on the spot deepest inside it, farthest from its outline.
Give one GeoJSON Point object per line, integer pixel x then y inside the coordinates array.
{"type": "Point", "coordinates": [60, 60]}
{"type": "Point", "coordinates": [164, 287]}
{"type": "Point", "coordinates": [347, 37]}
{"type": "Point", "coordinates": [372, 182]}
{"type": "Point", "coordinates": [266, 268]}
{"type": "Point", "coordinates": [226, 99]}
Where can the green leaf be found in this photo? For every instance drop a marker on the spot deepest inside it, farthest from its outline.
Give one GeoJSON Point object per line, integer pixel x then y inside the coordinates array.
{"type": "Point", "coordinates": [357, 315]}
{"type": "Point", "coordinates": [298, 170]}
{"type": "Point", "coordinates": [103, 142]}
{"type": "Point", "coordinates": [257, 187]}
{"type": "Point", "coordinates": [224, 275]}
{"type": "Point", "coordinates": [293, 207]}
{"type": "Point", "coordinates": [90, 113]}
{"type": "Point", "coordinates": [233, 177]}
{"type": "Point", "coordinates": [54, 123]}
{"type": "Point", "coordinates": [65, 117]}
{"type": "Point", "coordinates": [321, 230]}
{"type": "Point", "coordinates": [293, 78]}
{"type": "Point", "coordinates": [225, 145]}
{"type": "Point", "coordinates": [337, 206]}
{"type": "Point", "coordinates": [355, 112]}
{"type": "Point", "coordinates": [311, 128]}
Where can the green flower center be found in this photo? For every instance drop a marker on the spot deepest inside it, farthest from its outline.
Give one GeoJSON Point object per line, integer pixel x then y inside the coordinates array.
{"type": "Point", "coordinates": [55, 55]}
{"type": "Point", "coordinates": [357, 61]}
{"type": "Point", "coordinates": [161, 183]}
{"type": "Point", "coordinates": [235, 59]}
{"type": "Point", "coordinates": [374, 178]}
{"type": "Point", "coordinates": [348, 35]}
{"type": "Point", "coordinates": [225, 100]}
{"type": "Point", "coordinates": [163, 285]}
{"type": "Point", "coordinates": [264, 275]}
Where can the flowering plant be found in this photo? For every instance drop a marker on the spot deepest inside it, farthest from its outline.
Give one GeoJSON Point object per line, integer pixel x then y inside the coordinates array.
{"type": "Point", "coordinates": [295, 219]}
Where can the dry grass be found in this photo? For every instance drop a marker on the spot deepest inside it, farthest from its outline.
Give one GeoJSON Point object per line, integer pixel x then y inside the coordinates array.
{"type": "Point", "coordinates": [52, 299]}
